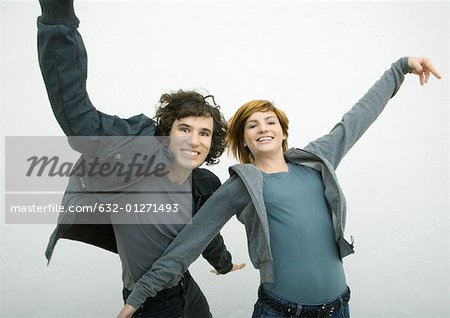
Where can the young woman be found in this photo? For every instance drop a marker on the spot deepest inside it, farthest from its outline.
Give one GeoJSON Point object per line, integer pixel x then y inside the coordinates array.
{"type": "Point", "coordinates": [291, 205]}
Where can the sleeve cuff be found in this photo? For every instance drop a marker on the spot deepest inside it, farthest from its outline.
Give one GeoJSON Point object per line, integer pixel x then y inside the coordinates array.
{"type": "Point", "coordinates": [136, 298]}
{"type": "Point", "coordinates": [226, 269]}
{"type": "Point", "coordinates": [403, 64]}
{"type": "Point", "coordinates": [57, 12]}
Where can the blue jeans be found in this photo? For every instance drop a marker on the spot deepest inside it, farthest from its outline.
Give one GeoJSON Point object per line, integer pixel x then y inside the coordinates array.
{"type": "Point", "coordinates": [183, 301]}
{"type": "Point", "coordinates": [261, 310]}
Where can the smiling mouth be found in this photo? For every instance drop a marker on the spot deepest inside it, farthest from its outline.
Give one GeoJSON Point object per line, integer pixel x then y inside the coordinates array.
{"type": "Point", "coordinates": [190, 152]}
{"type": "Point", "coordinates": [265, 138]}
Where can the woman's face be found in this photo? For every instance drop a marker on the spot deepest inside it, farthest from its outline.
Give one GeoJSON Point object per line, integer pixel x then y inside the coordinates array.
{"type": "Point", "coordinates": [263, 134]}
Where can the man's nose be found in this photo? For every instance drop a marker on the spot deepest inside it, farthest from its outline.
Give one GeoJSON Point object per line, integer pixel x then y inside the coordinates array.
{"type": "Point", "coordinates": [194, 140]}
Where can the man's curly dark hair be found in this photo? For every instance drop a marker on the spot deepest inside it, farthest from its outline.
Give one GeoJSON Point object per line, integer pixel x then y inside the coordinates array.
{"type": "Point", "coordinates": [177, 105]}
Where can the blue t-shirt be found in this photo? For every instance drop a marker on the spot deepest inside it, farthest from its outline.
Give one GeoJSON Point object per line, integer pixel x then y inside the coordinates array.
{"type": "Point", "coordinates": [307, 266]}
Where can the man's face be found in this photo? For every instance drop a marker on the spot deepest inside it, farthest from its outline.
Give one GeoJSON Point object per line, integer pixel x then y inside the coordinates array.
{"type": "Point", "coordinates": [190, 141]}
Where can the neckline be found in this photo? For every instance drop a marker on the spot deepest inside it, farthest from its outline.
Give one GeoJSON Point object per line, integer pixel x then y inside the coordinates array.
{"type": "Point", "coordinates": [277, 173]}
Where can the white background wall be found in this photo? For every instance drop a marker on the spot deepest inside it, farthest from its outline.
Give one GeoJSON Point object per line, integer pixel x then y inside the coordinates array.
{"type": "Point", "coordinates": [314, 60]}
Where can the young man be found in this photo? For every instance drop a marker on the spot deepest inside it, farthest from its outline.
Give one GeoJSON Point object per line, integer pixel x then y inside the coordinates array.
{"type": "Point", "coordinates": [196, 130]}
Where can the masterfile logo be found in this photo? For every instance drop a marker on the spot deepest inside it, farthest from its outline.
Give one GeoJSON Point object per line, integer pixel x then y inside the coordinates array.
{"type": "Point", "coordinates": [93, 180]}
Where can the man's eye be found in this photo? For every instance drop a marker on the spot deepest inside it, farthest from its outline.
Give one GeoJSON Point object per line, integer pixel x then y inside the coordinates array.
{"type": "Point", "coordinates": [184, 129]}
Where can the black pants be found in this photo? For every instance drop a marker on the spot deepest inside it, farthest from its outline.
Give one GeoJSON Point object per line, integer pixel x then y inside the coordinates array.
{"type": "Point", "coordinates": [185, 300]}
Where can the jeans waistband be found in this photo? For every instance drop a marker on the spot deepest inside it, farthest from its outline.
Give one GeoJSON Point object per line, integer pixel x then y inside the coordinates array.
{"type": "Point", "coordinates": [291, 309]}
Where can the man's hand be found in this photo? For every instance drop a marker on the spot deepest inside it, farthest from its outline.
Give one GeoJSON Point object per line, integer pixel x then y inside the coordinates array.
{"type": "Point", "coordinates": [422, 66]}
{"type": "Point", "coordinates": [235, 267]}
{"type": "Point", "coordinates": [127, 311]}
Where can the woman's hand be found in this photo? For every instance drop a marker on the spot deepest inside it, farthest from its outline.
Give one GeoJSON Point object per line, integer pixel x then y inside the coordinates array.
{"type": "Point", "coordinates": [127, 311]}
{"type": "Point", "coordinates": [422, 66]}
